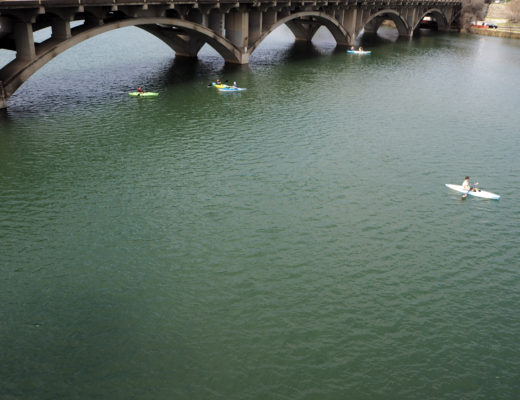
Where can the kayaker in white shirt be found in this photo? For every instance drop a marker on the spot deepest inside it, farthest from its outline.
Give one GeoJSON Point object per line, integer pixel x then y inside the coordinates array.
{"type": "Point", "coordinates": [467, 186]}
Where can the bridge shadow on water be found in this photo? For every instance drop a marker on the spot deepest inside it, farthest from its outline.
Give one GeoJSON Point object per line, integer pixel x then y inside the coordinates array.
{"type": "Point", "coordinates": [184, 70]}
{"type": "Point", "coordinates": [209, 66]}
{"type": "Point", "coordinates": [4, 115]}
{"type": "Point", "coordinates": [304, 51]}
{"type": "Point", "coordinates": [206, 67]}
{"type": "Point", "coordinates": [388, 36]}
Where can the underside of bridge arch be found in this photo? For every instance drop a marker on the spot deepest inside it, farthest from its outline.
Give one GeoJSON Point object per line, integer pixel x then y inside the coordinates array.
{"type": "Point", "coordinates": [455, 20]}
{"type": "Point", "coordinates": [375, 20]}
{"type": "Point", "coordinates": [437, 17]}
{"type": "Point", "coordinates": [304, 26]}
{"type": "Point", "coordinates": [233, 29]}
{"type": "Point", "coordinates": [184, 37]}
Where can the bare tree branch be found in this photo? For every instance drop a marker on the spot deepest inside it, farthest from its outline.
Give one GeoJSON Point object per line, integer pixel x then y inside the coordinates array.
{"type": "Point", "coordinates": [514, 9]}
{"type": "Point", "coordinates": [472, 10]}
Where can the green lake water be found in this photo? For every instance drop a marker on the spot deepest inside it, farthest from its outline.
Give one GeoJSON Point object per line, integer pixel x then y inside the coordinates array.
{"type": "Point", "coordinates": [293, 241]}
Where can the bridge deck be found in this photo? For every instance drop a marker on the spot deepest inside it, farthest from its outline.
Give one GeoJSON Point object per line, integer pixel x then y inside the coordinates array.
{"type": "Point", "coordinates": [10, 4]}
{"type": "Point", "coordinates": [234, 28]}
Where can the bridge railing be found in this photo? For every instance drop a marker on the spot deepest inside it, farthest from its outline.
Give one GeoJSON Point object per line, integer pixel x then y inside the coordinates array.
{"type": "Point", "coordinates": [8, 4]}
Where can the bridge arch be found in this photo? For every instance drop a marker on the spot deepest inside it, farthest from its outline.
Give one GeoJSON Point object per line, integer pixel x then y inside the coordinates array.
{"type": "Point", "coordinates": [316, 18]}
{"type": "Point", "coordinates": [374, 21]}
{"type": "Point", "coordinates": [19, 71]}
{"type": "Point", "coordinates": [438, 15]}
{"type": "Point", "coordinates": [233, 29]}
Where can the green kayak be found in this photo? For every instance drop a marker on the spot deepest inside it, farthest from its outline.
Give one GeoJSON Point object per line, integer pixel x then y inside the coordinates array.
{"type": "Point", "coordinates": [144, 94]}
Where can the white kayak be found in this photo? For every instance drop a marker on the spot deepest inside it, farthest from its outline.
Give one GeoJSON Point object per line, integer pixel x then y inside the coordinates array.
{"type": "Point", "coordinates": [359, 51]}
{"type": "Point", "coordinates": [478, 193]}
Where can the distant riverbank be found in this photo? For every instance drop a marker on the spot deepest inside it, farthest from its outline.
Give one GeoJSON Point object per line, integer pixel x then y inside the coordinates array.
{"type": "Point", "coordinates": [498, 14]}
{"type": "Point", "coordinates": [500, 32]}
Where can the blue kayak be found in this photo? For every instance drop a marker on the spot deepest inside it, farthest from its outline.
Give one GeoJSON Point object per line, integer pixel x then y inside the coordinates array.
{"type": "Point", "coordinates": [231, 89]}
{"type": "Point", "coordinates": [358, 52]}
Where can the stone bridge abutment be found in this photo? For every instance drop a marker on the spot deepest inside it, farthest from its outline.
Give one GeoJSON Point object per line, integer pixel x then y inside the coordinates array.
{"type": "Point", "coordinates": [234, 29]}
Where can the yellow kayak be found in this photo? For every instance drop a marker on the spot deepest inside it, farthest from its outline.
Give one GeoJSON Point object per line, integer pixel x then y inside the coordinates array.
{"type": "Point", "coordinates": [220, 85]}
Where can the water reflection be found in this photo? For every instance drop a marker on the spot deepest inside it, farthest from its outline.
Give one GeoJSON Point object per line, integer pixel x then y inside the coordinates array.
{"type": "Point", "coordinates": [303, 51]}
{"type": "Point", "coordinates": [4, 115]}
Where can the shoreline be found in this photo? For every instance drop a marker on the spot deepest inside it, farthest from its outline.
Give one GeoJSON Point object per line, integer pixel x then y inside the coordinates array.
{"type": "Point", "coordinates": [496, 33]}
{"type": "Point", "coordinates": [498, 14]}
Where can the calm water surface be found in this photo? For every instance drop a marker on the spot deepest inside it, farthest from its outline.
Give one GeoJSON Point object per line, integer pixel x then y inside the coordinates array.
{"type": "Point", "coordinates": [294, 241]}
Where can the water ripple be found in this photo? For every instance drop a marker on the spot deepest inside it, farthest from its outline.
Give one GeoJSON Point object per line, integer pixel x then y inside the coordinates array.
{"type": "Point", "coordinates": [293, 241]}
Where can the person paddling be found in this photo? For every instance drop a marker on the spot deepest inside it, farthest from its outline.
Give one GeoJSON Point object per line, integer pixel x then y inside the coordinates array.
{"type": "Point", "coordinates": [467, 186]}
{"type": "Point", "coordinates": [140, 89]}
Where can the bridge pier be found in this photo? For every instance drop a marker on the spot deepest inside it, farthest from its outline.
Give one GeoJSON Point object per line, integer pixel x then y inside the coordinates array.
{"type": "Point", "coordinates": [188, 46]}
{"type": "Point", "coordinates": [303, 29]}
{"type": "Point", "coordinates": [350, 22]}
{"type": "Point", "coordinates": [61, 29]}
{"type": "Point", "coordinates": [184, 45]}
{"type": "Point", "coordinates": [255, 25]}
{"type": "Point", "coordinates": [23, 37]}
{"type": "Point", "coordinates": [237, 24]}
{"type": "Point", "coordinates": [233, 29]}
{"type": "Point", "coordinates": [410, 16]}
{"type": "Point", "coordinates": [3, 97]}
{"type": "Point", "coordinates": [360, 21]}
{"type": "Point", "coordinates": [269, 18]}
{"type": "Point", "coordinates": [373, 25]}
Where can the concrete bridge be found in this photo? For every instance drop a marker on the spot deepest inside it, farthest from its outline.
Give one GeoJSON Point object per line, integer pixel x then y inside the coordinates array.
{"type": "Point", "coordinates": [234, 28]}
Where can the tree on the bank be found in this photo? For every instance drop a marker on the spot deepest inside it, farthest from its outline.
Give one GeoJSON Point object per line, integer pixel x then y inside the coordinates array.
{"type": "Point", "coordinates": [472, 10]}
{"type": "Point", "coordinates": [514, 10]}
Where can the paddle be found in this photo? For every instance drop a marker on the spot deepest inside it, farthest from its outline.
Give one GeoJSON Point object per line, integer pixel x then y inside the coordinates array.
{"type": "Point", "coordinates": [470, 189]}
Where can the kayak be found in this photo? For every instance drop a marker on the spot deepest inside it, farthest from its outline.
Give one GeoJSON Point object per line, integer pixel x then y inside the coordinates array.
{"type": "Point", "coordinates": [144, 94]}
{"type": "Point", "coordinates": [359, 52]}
{"type": "Point", "coordinates": [231, 89]}
{"type": "Point", "coordinates": [220, 85]}
{"type": "Point", "coordinates": [478, 193]}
